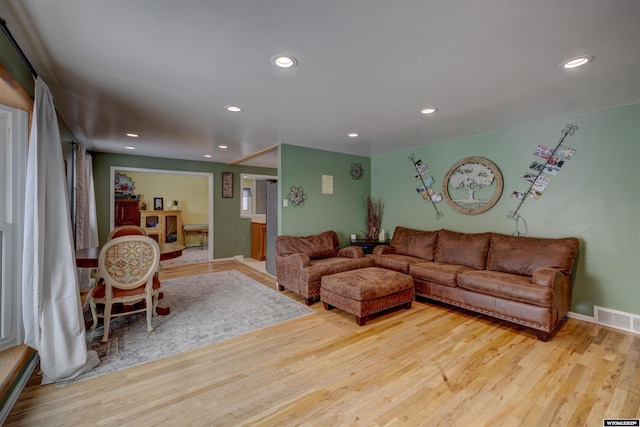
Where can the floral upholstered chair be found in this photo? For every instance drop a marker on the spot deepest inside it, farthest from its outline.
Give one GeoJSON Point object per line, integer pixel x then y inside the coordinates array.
{"type": "Point", "coordinates": [127, 267]}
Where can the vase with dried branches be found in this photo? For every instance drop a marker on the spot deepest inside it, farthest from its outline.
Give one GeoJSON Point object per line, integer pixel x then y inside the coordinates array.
{"type": "Point", "coordinates": [375, 209]}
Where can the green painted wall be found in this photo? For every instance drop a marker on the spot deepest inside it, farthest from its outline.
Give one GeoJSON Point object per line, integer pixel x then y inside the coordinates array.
{"type": "Point", "coordinates": [344, 211]}
{"type": "Point", "coordinates": [594, 197]}
{"type": "Point", "coordinates": [11, 60]}
{"type": "Point", "coordinates": [232, 234]}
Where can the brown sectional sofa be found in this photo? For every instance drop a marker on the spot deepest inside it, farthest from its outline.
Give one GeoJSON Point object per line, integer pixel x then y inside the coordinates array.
{"type": "Point", "coordinates": [523, 280]}
{"type": "Point", "coordinates": [302, 261]}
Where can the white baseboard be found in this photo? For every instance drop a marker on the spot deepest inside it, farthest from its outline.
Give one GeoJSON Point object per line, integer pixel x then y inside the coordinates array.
{"type": "Point", "coordinates": [579, 316]}
{"type": "Point", "coordinates": [231, 258]}
{"type": "Point", "coordinates": [616, 319]}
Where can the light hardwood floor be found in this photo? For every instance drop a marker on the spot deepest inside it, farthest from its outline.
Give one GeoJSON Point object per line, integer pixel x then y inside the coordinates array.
{"type": "Point", "coordinates": [430, 365]}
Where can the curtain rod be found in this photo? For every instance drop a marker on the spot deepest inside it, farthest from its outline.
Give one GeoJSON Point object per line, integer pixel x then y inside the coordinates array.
{"type": "Point", "coordinates": [15, 45]}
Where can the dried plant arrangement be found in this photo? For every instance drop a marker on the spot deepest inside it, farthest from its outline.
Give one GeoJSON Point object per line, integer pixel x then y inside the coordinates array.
{"type": "Point", "coordinates": [375, 209]}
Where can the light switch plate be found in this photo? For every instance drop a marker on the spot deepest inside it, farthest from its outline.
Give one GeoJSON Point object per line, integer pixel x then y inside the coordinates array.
{"type": "Point", "coordinates": [285, 203]}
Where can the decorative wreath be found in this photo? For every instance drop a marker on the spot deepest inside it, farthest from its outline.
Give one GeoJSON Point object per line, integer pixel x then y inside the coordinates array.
{"type": "Point", "coordinates": [296, 196]}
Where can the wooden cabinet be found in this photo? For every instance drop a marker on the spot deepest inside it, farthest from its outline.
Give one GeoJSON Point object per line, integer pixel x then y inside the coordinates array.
{"type": "Point", "coordinates": [258, 240]}
{"type": "Point", "coordinates": [163, 226]}
{"type": "Point", "coordinates": [126, 213]}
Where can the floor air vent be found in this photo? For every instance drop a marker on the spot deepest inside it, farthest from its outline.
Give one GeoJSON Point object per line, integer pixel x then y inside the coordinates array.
{"type": "Point", "coordinates": [617, 319]}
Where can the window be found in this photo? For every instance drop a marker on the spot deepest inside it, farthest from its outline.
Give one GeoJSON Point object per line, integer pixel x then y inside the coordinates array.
{"type": "Point", "coordinates": [247, 200]}
{"type": "Point", "coordinates": [253, 200]}
{"type": "Point", "coordinates": [13, 155]}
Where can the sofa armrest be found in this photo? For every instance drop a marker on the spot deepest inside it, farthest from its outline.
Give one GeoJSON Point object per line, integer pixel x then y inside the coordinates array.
{"type": "Point", "coordinates": [560, 283]}
{"type": "Point", "coordinates": [351, 252]}
{"type": "Point", "coordinates": [295, 261]}
{"type": "Point", "coordinates": [546, 276]}
{"type": "Point", "coordinates": [383, 249]}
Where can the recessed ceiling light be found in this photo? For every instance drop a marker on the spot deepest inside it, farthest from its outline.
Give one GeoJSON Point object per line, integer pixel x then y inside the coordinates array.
{"type": "Point", "coordinates": [353, 135]}
{"type": "Point", "coordinates": [222, 146]}
{"type": "Point", "coordinates": [576, 62]}
{"type": "Point", "coordinates": [133, 135]}
{"type": "Point", "coordinates": [130, 147]}
{"type": "Point", "coordinates": [233, 108]}
{"type": "Point", "coordinates": [284, 61]}
{"type": "Point", "coordinates": [208, 156]}
{"type": "Point", "coordinates": [428, 110]}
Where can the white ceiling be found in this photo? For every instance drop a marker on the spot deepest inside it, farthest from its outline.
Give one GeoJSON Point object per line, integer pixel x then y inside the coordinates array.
{"type": "Point", "coordinates": [166, 69]}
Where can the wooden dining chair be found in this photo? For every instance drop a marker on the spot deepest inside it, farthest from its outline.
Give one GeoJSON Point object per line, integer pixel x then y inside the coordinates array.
{"type": "Point", "coordinates": [127, 230]}
{"type": "Point", "coordinates": [127, 266]}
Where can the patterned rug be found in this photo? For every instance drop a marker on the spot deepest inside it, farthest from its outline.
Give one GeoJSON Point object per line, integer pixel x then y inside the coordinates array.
{"type": "Point", "coordinates": [204, 309]}
{"type": "Point", "coordinates": [189, 256]}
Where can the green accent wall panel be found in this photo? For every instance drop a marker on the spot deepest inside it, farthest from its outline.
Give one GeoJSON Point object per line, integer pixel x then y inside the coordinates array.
{"type": "Point", "coordinates": [594, 197]}
{"type": "Point", "coordinates": [344, 211]}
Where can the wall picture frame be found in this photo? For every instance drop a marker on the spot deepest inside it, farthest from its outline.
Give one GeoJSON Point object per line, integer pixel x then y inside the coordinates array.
{"type": "Point", "coordinates": [227, 185]}
{"type": "Point", "coordinates": [158, 204]}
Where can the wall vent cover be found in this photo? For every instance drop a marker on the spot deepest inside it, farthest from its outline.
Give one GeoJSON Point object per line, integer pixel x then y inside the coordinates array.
{"type": "Point", "coordinates": [617, 319]}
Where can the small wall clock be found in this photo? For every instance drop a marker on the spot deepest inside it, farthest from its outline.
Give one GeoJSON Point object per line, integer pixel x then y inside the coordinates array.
{"type": "Point", "coordinates": [356, 171]}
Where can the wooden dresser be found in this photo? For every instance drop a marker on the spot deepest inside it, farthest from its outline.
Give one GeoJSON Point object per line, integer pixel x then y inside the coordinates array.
{"type": "Point", "coordinates": [163, 226]}
{"type": "Point", "coordinates": [126, 212]}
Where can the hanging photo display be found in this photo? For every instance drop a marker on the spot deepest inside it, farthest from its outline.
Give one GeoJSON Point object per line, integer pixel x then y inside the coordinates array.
{"type": "Point", "coordinates": [555, 159]}
{"type": "Point", "coordinates": [550, 161]}
{"type": "Point", "coordinates": [425, 184]}
{"type": "Point", "coordinates": [426, 181]}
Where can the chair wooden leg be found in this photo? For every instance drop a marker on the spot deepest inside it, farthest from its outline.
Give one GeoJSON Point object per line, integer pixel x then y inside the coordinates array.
{"type": "Point", "coordinates": [107, 320]}
{"type": "Point", "coordinates": [150, 309]}
{"type": "Point", "coordinates": [94, 312]}
{"type": "Point", "coordinates": [154, 311]}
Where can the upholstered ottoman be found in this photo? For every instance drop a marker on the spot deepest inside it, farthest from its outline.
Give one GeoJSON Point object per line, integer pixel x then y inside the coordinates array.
{"type": "Point", "coordinates": [366, 291]}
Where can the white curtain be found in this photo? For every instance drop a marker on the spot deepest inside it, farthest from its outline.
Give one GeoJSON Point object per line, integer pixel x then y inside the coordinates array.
{"type": "Point", "coordinates": [53, 320]}
{"type": "Point", "coordinates": [86, 217]}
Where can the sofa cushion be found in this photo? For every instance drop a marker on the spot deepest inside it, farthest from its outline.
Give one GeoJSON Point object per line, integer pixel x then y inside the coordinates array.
{"type": "Point", "coordinates": [317, 246]}
{"type": "Point", "coordinates": [463, 248]}
{"type": "Point", "coordinates": [417, 243]}
{"type": "Point", "coordinates": [507, 286]}
{"type": "Point", "coordinates": [395, 262]}
{"type": "Point", "coordinates": [524, 255]}
{"type": "Point", "coordinates": [444, 274]}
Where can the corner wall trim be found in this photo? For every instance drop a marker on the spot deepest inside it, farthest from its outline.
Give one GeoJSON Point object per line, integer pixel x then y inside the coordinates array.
{"type": "Point", "coordinates": [18, 385]}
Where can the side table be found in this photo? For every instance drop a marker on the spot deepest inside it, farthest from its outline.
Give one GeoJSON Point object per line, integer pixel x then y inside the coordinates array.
{"type": "Point", "coordinates": [368, 245]}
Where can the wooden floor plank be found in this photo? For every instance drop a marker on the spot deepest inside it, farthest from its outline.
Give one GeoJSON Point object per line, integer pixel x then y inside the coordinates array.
{"type": "Point", "coordinates": [429, 365]}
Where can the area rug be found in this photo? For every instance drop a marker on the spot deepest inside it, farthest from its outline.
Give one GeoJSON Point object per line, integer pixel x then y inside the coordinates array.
{"type": "Point", "coordinates": [204, 309]}
{"type": "Point", "coordinates": [189, 256]}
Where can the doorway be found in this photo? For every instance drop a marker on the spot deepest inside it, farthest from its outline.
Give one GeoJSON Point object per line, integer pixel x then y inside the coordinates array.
{"type": "Point", "coordinates": [149, 199]}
